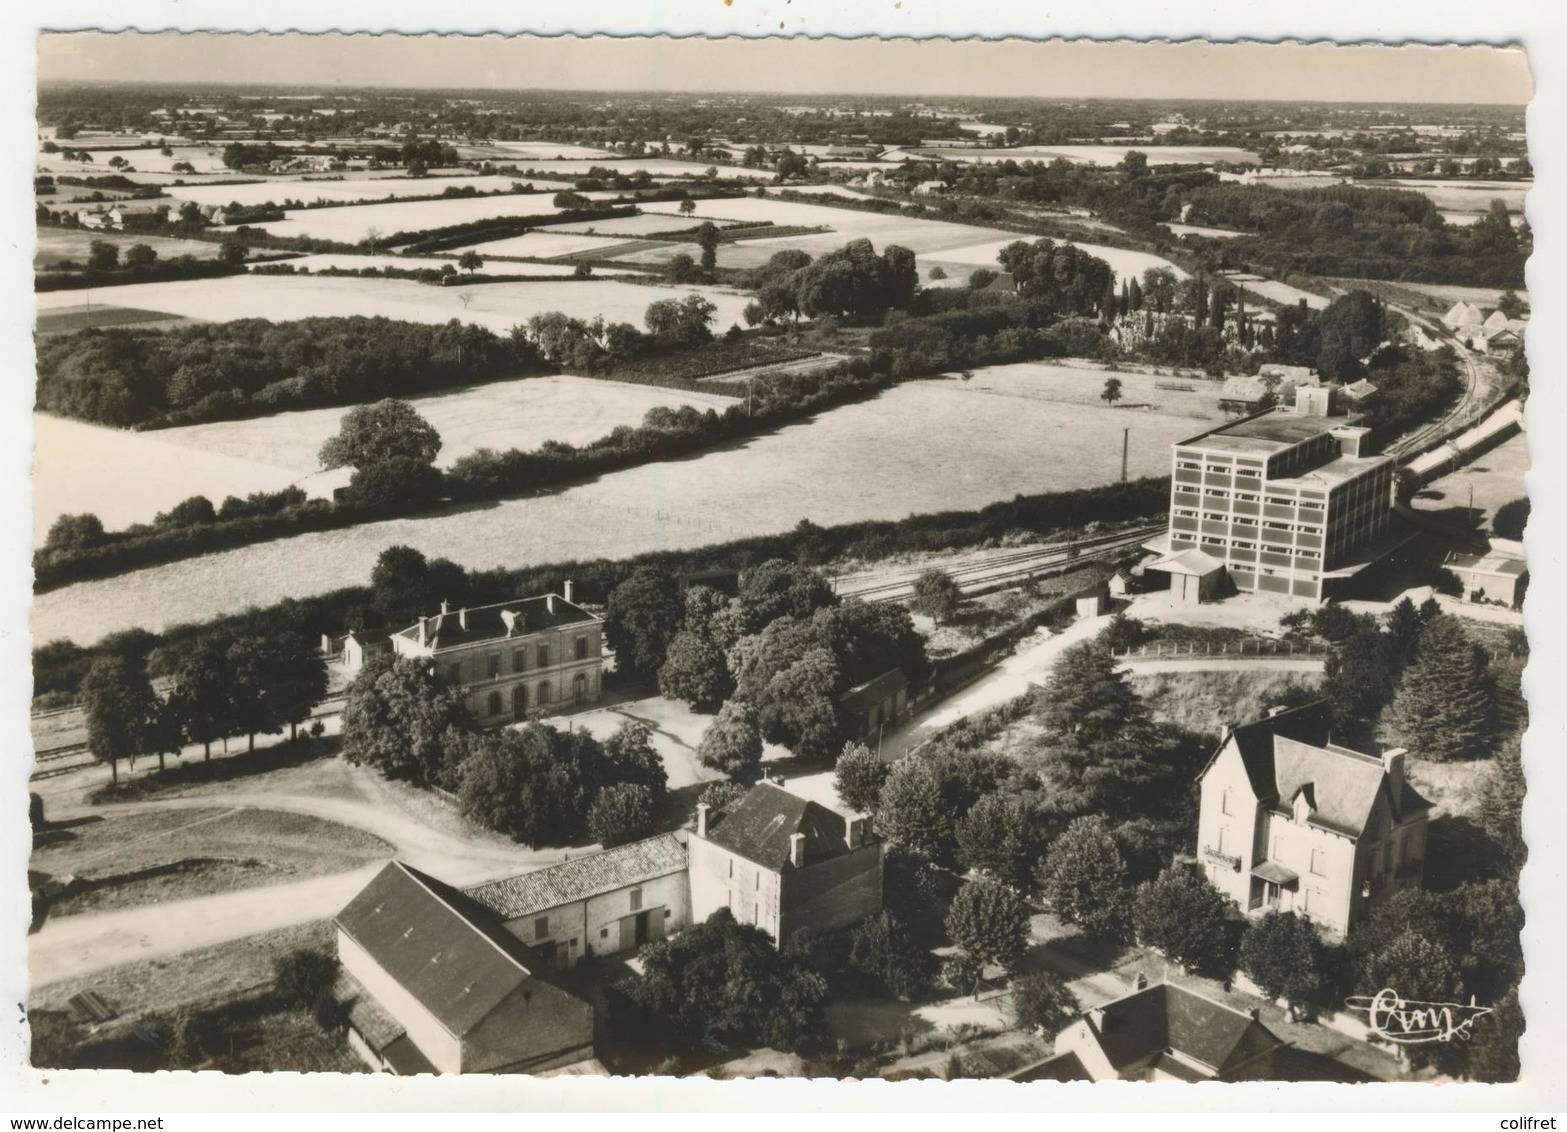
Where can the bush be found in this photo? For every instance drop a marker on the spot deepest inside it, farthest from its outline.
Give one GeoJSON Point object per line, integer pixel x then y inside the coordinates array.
{"type": "Point", "coordinates": [1282, 953]}
{"type": "Point", "coordinates": [621, 814]}
{"type": "Point", "coordinates": [1042, 1003]}
{"type": "Point", "coordinates": [303, 976]}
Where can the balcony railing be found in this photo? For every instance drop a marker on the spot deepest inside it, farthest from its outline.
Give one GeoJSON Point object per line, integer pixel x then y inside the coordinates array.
{"type": "Point", "coordinates": [1221, 858]}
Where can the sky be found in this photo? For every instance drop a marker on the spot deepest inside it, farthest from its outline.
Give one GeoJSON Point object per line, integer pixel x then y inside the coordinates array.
{"type": "Point", "coordinates": [1051, 69]}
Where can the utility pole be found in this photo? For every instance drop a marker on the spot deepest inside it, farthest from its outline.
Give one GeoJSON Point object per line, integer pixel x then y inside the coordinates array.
{"type": "Point", "coordinates": [1126, 436]}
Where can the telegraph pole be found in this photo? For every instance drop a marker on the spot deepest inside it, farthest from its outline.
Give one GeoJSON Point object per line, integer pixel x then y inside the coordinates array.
{"type": "Point", "coordinates": [1126, 436]}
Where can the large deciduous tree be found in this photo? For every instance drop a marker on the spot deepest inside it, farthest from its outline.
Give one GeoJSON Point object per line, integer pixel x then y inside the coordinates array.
{"type": "Point", "coordinates": [733, 743]}
{"type": "Point", "coordinates": [120, 708]}
{"type": "Point", "coordinates": [1183, 916]}
{"type": "Point", "coordinates": [203, 694]}
{"type": "Point", "coordinates": [386, 430]}
{"type": "Point", "coordinates": [621, 814]}
{"type": "Point", "coordinates": [401, 720]}
{"type": "Point", "coordinates": [1283, 954]}
{"type": "Point", "coordinates": [936, 595]}
{"type": "Point", "coordinates": [1084, 878]}
{"type": "Point", "coordinates": [641, 618]}
{"type": "Point", "coordinates": [990, 923]}
{"type": "Point", "coordinates": [858, 776]}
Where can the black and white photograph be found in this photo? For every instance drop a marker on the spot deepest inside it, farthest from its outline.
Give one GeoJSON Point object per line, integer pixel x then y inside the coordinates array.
{"type": "Point", "coordinates": [859, 559]}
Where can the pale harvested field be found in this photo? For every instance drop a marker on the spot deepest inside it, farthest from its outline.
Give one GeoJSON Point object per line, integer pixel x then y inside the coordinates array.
{"type": "Point", "coordinates": [550, 244]}
{"type": "Point", "coordinates": [648, 224]}
{"type": "Point", "coordinates": [128, 477]}
{"type": "Point", "coordinates": [536, 150]}
{"type": "Point", "coordinates": [335, 188]}
{"type": "Point", "coordinates": [1098, 154]}
{"type": "Point", "coordinates": [204, 158]}
{"type": "Point", "coordinates": [630, 166]}
{"type": "Point", "coordinates": [1016, 429]}
{"type": "Point", "coordinates": [956, 247]}
{"type": "Point", "coordinates": [58, 244]}
{"type": "Point", "coordinates": [1485, 297]}
{"type": "Point", "coordinates": [1280, 292]}
{"type": "Point", "coordinates": [1469, 196]}
{"type": "Point", "coordinates": [353, 223]}
{"type": "Point", "coordinates": [413, 263]}
{"type": "Point", "coordinates": [1199, 230]}
{"type": "Point", "coordinates": [498, 306]}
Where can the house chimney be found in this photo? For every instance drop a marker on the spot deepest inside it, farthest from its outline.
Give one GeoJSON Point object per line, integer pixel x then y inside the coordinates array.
{"type": "Point", "coordinates": [1276, 709]}
{"type": "Point", "coordinates": [1393, 767]}
{"type": "Point", "coordinates": [570, 591]}
{"type": "Point", "coordinates": [1139, 981]}
{"type": "Point", "coordinates": [446, 606]}
{"type": "Point", "coordinates": [1096, 1019]}
{"type": "Point", "coordinates": [797, 850]}
{"type": "Point", "coordinates": [422, 631]}
{"type": "Point", "coordinates": [462, 618]}
{"type": "Point", "coordinates": [549, 603]}
{"type": "Point", "coordinates": [701, 819]}
{"type": "Point", "coordinates": [853, 832]}
{"type": "Point", "coordinates": [509, 619]}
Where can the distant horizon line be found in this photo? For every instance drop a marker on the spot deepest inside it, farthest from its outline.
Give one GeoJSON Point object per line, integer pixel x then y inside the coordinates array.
{"type": "Point", "coordinates": [328, 90]}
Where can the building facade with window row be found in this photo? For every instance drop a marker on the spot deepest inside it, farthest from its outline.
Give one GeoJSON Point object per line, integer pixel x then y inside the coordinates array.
{"type": "Point", "coordinates": [1288, 500]}
{"type": "Point", "coordinates": [513, 659]}
{"type": "Point", "coordinates": [1291, 821]}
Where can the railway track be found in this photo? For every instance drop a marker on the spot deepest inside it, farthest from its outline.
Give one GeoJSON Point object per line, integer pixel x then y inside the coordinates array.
{"type": "Point", "coordinates": [995, 570]}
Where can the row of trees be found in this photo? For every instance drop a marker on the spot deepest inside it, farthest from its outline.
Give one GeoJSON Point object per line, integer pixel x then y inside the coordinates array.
{"type": "Point", "coordinates": [255, 684]}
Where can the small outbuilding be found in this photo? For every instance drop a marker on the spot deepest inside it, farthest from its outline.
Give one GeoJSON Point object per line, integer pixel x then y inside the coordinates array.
{"type": "Point", "coordinates": [1094, 603]}
{"type": "Point", "coordinates": [877, 704]}
{"type": "Point", "coordinates": [1195, 576]}
{"type": "Point", "coordinates": [1498, 575]}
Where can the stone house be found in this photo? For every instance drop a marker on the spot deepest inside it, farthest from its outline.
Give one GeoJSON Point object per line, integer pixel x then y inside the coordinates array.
{"type": "Point", "coordinates": [600, 904]}
{"type": "Point", "coordinates": [784, 863]}
{"type": "Point", "coordinates": [511, 659]}
{"type": "Point", "coordinates": [1291, 821]}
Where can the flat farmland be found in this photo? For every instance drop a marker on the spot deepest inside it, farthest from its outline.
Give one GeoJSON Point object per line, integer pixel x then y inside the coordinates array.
{"type": "Point", "coordinates": [353, 223]}
{"type": "Point", "coordinates": [128, 477]}
{"type": "Point", "coordinates": [1468, 196]}
{"type": "Point", "coordinates": [647, 224]}
{"type": "Point", "coordinates": [335, 189]}
{"type": "Point", "coordinates": [56, 245]}
{"type": "Point", "coordinates": [546, 244]}
{"type": "Point", "coordinates": [1279, 292]}
{"type": "Point", "coordinates": [204, 158]}
{"type": "Point", "coordinates": [953, 246]}
{"type": "Point", "coordinates": [1101, 155]}
{"type": "Point", "coordinates": [65, 320]}
{"type": "Point", "coordinates": [1014, 429]}
{"type": "Point", "coordinates": [346, 262]}
{"type": "Point", "coordinates": [629, 166]}
{"type": "Point", "coordinates": [497, 306]}
{"type": "Point", "coordinates": [546, 150]}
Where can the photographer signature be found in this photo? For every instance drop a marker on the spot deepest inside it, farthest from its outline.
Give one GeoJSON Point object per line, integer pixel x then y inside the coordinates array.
{"type": "Point", "coordinates": [1400, 1020]}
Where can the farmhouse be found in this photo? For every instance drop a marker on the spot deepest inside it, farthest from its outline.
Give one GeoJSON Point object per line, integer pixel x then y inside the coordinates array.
{"type": "Point", "coordinates": [431, 983]}
{"type": "Point", "coordinates": [1287, 499]}
{"type": "Point", "coordinates": [1246, 395]}
{"type": "Point", "coordinates": [1162, 1032]}
{"type": "Point", "coordinates": [783, 863]}
{"type": "Point", "coordinates": [539, 654]}
{"type": "Point", "coordinates": [601, 904]}
{"type": "Point", "coordinates": [1291, 821]}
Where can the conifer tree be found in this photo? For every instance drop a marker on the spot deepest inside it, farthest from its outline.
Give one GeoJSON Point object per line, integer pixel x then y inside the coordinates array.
{"type": "Point", "coordinates": [1445, 706]}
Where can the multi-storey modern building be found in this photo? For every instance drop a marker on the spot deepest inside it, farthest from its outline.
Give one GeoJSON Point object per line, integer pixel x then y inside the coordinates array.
{"type": "Point", "coordinates": [1287, 501]}
{"type": "Point", "coordinates": [540, 654]}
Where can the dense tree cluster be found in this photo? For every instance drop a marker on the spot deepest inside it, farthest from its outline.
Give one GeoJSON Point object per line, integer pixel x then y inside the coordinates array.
{"type": "Point", "coordinates": [853, 282]}
{"type": "Point", "coordinates": [726, 982]}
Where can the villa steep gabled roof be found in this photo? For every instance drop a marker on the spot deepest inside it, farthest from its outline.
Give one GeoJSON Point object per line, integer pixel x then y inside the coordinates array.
{"type": "Point", "coordinates": [1168, 1019]}
{"type": "Point", "coordinates": [758, 827]}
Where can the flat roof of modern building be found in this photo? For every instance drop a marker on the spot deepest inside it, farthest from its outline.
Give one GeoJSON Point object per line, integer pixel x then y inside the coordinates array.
{"type": "Point", "coordinates": [1266, 433]}
{"type": "Point", "coordinates": [1336, 471]}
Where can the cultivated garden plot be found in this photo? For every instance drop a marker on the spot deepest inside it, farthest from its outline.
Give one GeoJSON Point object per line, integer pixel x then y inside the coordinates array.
{"type": "Point", "coordinates": [336, 188]}
{"type": "Point", "coordinates": [1012, 430]}
{"type": "Point", "coordinates": [355, 223]}
{"type": "Point", "coordinates": [152, 471]}
{"type": "Point", "coordinates": [496, 306]}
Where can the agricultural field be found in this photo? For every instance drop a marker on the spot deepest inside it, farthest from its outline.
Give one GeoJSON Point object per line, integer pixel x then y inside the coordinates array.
{"type": "Point", "coordinates": [354, 223]}
{"type": "Point", "coordinates": [204, 850]}
{"type": "Point", "coordinates": [1279, 292]}
{"type": "Point", "coordinates": [544, 150]}
{"type": "Point", "coordinates": [336, 188]}
{"type": "Point", "coordinates": [1102, 155]}
{"type": "Point", "coordinates": [203, 158]}
{"type": "Point", "coordinates": [128, 477]}
{"type": "Point", "coordinates": [1199, 230]}
{"type": "Point", "coordinates": [551, 243]}
{"type": "Point", "coordinates": [1463, 202]}
{"type": "Point", "coordinates": [976, 435]}
{"type": "Point", "coordinates": [667, 167]}
{"type": "Point", "coordinates": [346, 262]}
{"type": "Point", "coordinates": [648, 224]}
{"type": "Point", "coordinates": [955, 247]}
{"type": "Point", "coordinates": [65, 320]}
{"type": "Point", "coordinates": [497, 306]}
{"type": "Point", "coordinates": [56, 245]}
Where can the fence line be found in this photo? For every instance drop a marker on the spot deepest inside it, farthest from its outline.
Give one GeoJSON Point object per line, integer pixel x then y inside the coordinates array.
{"type": "Point", "coordinates": [1262, 647]}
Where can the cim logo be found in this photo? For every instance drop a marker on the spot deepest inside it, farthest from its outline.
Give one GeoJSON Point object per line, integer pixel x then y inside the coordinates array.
{"type": "Point", "coordinates": [1411, 1023]}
